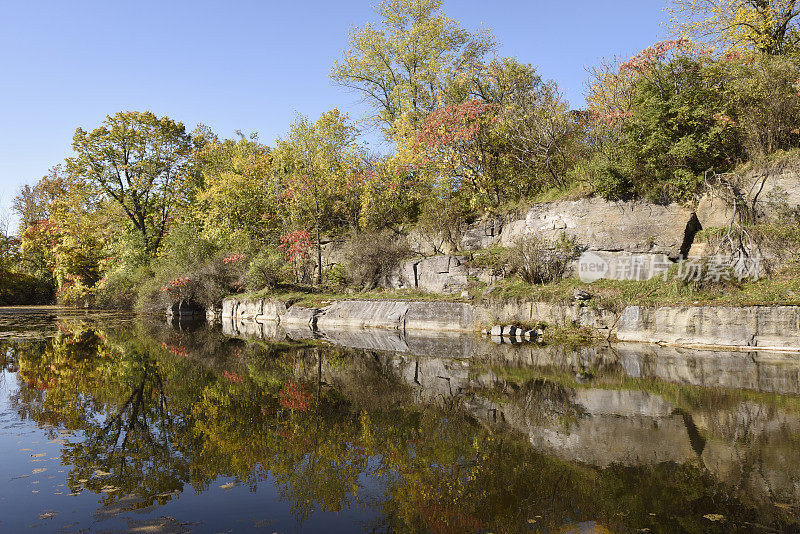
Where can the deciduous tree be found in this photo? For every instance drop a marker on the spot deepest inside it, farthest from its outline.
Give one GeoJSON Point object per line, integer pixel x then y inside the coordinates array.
{"type": "Point", "coordinates": [314, 164]}
{"type": "Point", "coordinates": [401, 65]}
{"type": "Point", "coordinates": [134, 158]}
{"type": "Point", "coordinates": [768, 26]}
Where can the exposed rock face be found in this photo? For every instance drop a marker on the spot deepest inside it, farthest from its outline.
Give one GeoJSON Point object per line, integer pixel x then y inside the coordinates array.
{"type": "Point", "coordinates": [441, 274]}
{"type": "Point", "coordinates": [772, 327]}
{"type": "Point", "coordinates": [481, 234]}
{"type": "Point", "coordinates": [444, 274]}
{"type": "Point", "coordinates": [713, 212]}
{"type": "Point", "coordinates": [781, 188]}
{"type": "Point", "coordinates": [620, 265]}
{"type": "Point", "coordinates": [608, 226]}
{"type": "Point", "coordinates": [360, 313]}
{"type": "Point", "coordinates": [755, 326]}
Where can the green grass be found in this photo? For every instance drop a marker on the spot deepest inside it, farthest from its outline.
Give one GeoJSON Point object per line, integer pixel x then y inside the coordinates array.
{"type": "Point", "coordinates": [313, 297]}
{"type": "Point", "coordinates": [782, 288]}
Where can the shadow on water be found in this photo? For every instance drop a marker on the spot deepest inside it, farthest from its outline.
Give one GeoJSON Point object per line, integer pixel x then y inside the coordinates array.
{"type": "Point", "coordinates": [378, 431]}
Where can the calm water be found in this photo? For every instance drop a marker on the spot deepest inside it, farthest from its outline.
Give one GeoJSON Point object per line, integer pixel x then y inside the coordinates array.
{"type": "Point", "coordinates": [110, 423]}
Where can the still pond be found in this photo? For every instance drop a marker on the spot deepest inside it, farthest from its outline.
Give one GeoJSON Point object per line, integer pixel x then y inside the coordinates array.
{"type": "Point", "coordinates": [111, 422]}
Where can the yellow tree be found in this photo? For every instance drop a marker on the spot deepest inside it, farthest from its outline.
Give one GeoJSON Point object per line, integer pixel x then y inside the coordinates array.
{"type": "Point", "coordinates": [236, 204]}
{"type": "Point", "coordinates": [315, 165]}
{"type": "Point", "coordinates": [767, 26]}
{"type": "Point", "coordinates": [401, 65]}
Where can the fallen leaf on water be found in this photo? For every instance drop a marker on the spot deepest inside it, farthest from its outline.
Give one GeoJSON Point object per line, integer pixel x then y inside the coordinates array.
{"type": "Point", "coordinates": [109, 489]}
{"type": "Point", "coordinates": [101, 473]}
{"type": "Point", "coordinates": [227, 486]}
{"type": "Point", "coordinates": [26, 450]}
{"type": "Point", "coordinates": [38, 455]}
{"type": "Point", "coordinates": [714, 517]}
{"type": "Point", "coordinates": [48, 515]}
{"type": "Point", "coordinates": [34, 491]}
{"type": "Point", "coordinates": [39, 470]}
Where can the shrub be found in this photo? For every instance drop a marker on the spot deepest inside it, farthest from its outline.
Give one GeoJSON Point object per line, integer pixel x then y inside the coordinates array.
{"type": "Point", "coordinates": [337, 277]}
{"type": "Point", "coordinates": [20, 288]}
{"type": "Point", "coordinates": [766, 99]}
{"type": "Point", "coordinates": [372, 257]}
{"type": "Point", "coordinates": [268, 269]}
{"type": "Point", "coordinates": [205, 283]}
{"type": "Point", "coordinates": [539, 261]}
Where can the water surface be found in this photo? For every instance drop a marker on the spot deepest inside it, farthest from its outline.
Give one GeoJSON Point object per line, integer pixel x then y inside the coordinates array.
{"type": "Point", "coordinates": [113, 423]}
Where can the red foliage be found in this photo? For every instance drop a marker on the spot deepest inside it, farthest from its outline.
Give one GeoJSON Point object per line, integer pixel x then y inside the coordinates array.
{"type": "Point", "coordinates": [233, 377]}
{"type": "Point", "coordinates": [295, 245]}
{"type": "Point", "coordinates": [175, 350]}
{"type": "Point", "coordinates": [233, 258]}
{"type": "Point", "coordinates": [454, 125]}
{"type": "Point", "coordinates": [177, 284]}
{"type": "Point", "coordinates": [645, 60]}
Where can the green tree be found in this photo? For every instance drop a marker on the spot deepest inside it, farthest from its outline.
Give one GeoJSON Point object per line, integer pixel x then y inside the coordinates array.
{"type": "Point", "coordinates": [316, 165]}
{"type": "Point", "coordinates": [679, 126]}
{"type": "Point", "coordinates": [768, 26]}
{"type": "Point", "coordinates": [401, 65]}
{"type": "Point", "coordinates": [135, 158]}
{"type": "Point", "coordinates": [237, 202]}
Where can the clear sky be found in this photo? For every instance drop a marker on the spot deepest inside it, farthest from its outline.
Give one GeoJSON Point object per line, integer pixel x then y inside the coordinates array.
{"type": "Point", "coordinates": [247, 65]}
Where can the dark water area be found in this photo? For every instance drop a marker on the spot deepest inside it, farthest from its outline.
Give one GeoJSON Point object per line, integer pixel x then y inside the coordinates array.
{"type": "Point", "coordinates": [112, 423]}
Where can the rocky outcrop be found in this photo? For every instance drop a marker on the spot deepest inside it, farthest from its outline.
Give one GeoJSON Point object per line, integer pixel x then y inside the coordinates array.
{"type": "Point", "coordinates": [443, 274]}
{"type": "Point", "coordinates": [754, 326]}
{"type": "Point", "coordinates": [599, 224]}
{"type": "Point", "coordinates": [770, 327]}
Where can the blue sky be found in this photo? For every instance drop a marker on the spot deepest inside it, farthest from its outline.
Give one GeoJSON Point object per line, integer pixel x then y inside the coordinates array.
{"type": "Point", "coordinates": [245, 65]}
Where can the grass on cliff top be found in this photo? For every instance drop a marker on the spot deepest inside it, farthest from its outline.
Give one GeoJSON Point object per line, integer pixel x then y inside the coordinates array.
{"type": "Point", "coordinates": [312, 297]}
{"type": "Point", "coordinates": [782, 288]}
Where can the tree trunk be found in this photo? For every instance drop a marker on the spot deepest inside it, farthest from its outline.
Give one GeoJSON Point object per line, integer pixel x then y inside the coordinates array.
{"type": "Point", "coordinates": [319, 258]}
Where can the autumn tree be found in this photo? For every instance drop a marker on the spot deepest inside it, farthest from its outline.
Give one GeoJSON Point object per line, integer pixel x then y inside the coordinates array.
{"type": "Point", "coordinates": [538, 130]}
{"type": "Point", "coordinates": [462, 142]}
{"type": "Point", "coordinates": [33, 203]}
{"type": "Point", "coordinates": [236, 203]}
{"type": "Point", "coordinates": [767, 26]}
{"type": "Point", "coordinates": [134, 158]}
{"type": "Point", "coordinates": [315, 165]}
{"type": "Point", "coordinates": [401, 65]}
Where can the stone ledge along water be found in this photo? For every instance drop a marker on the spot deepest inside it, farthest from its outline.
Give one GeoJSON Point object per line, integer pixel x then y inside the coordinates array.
{"type": "Point", "coordinates": [775, 328]}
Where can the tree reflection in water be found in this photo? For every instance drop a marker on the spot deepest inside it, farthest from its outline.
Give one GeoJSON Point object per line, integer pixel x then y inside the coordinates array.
{"type": "Point", "coordinates": [159, 410]}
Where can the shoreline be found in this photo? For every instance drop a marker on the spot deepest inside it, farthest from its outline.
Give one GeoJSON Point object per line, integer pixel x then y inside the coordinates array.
{"type": "Point", "coordinates": [743, 329]}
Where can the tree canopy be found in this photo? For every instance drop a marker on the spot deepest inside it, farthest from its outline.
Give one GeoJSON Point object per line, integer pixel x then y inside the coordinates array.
{"type": "Point", "coordinates": [135, 159]}
{"type": "Point", "coordinates": [768, 26]}
{"type": "Point", "coordinates": [402, 65]}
